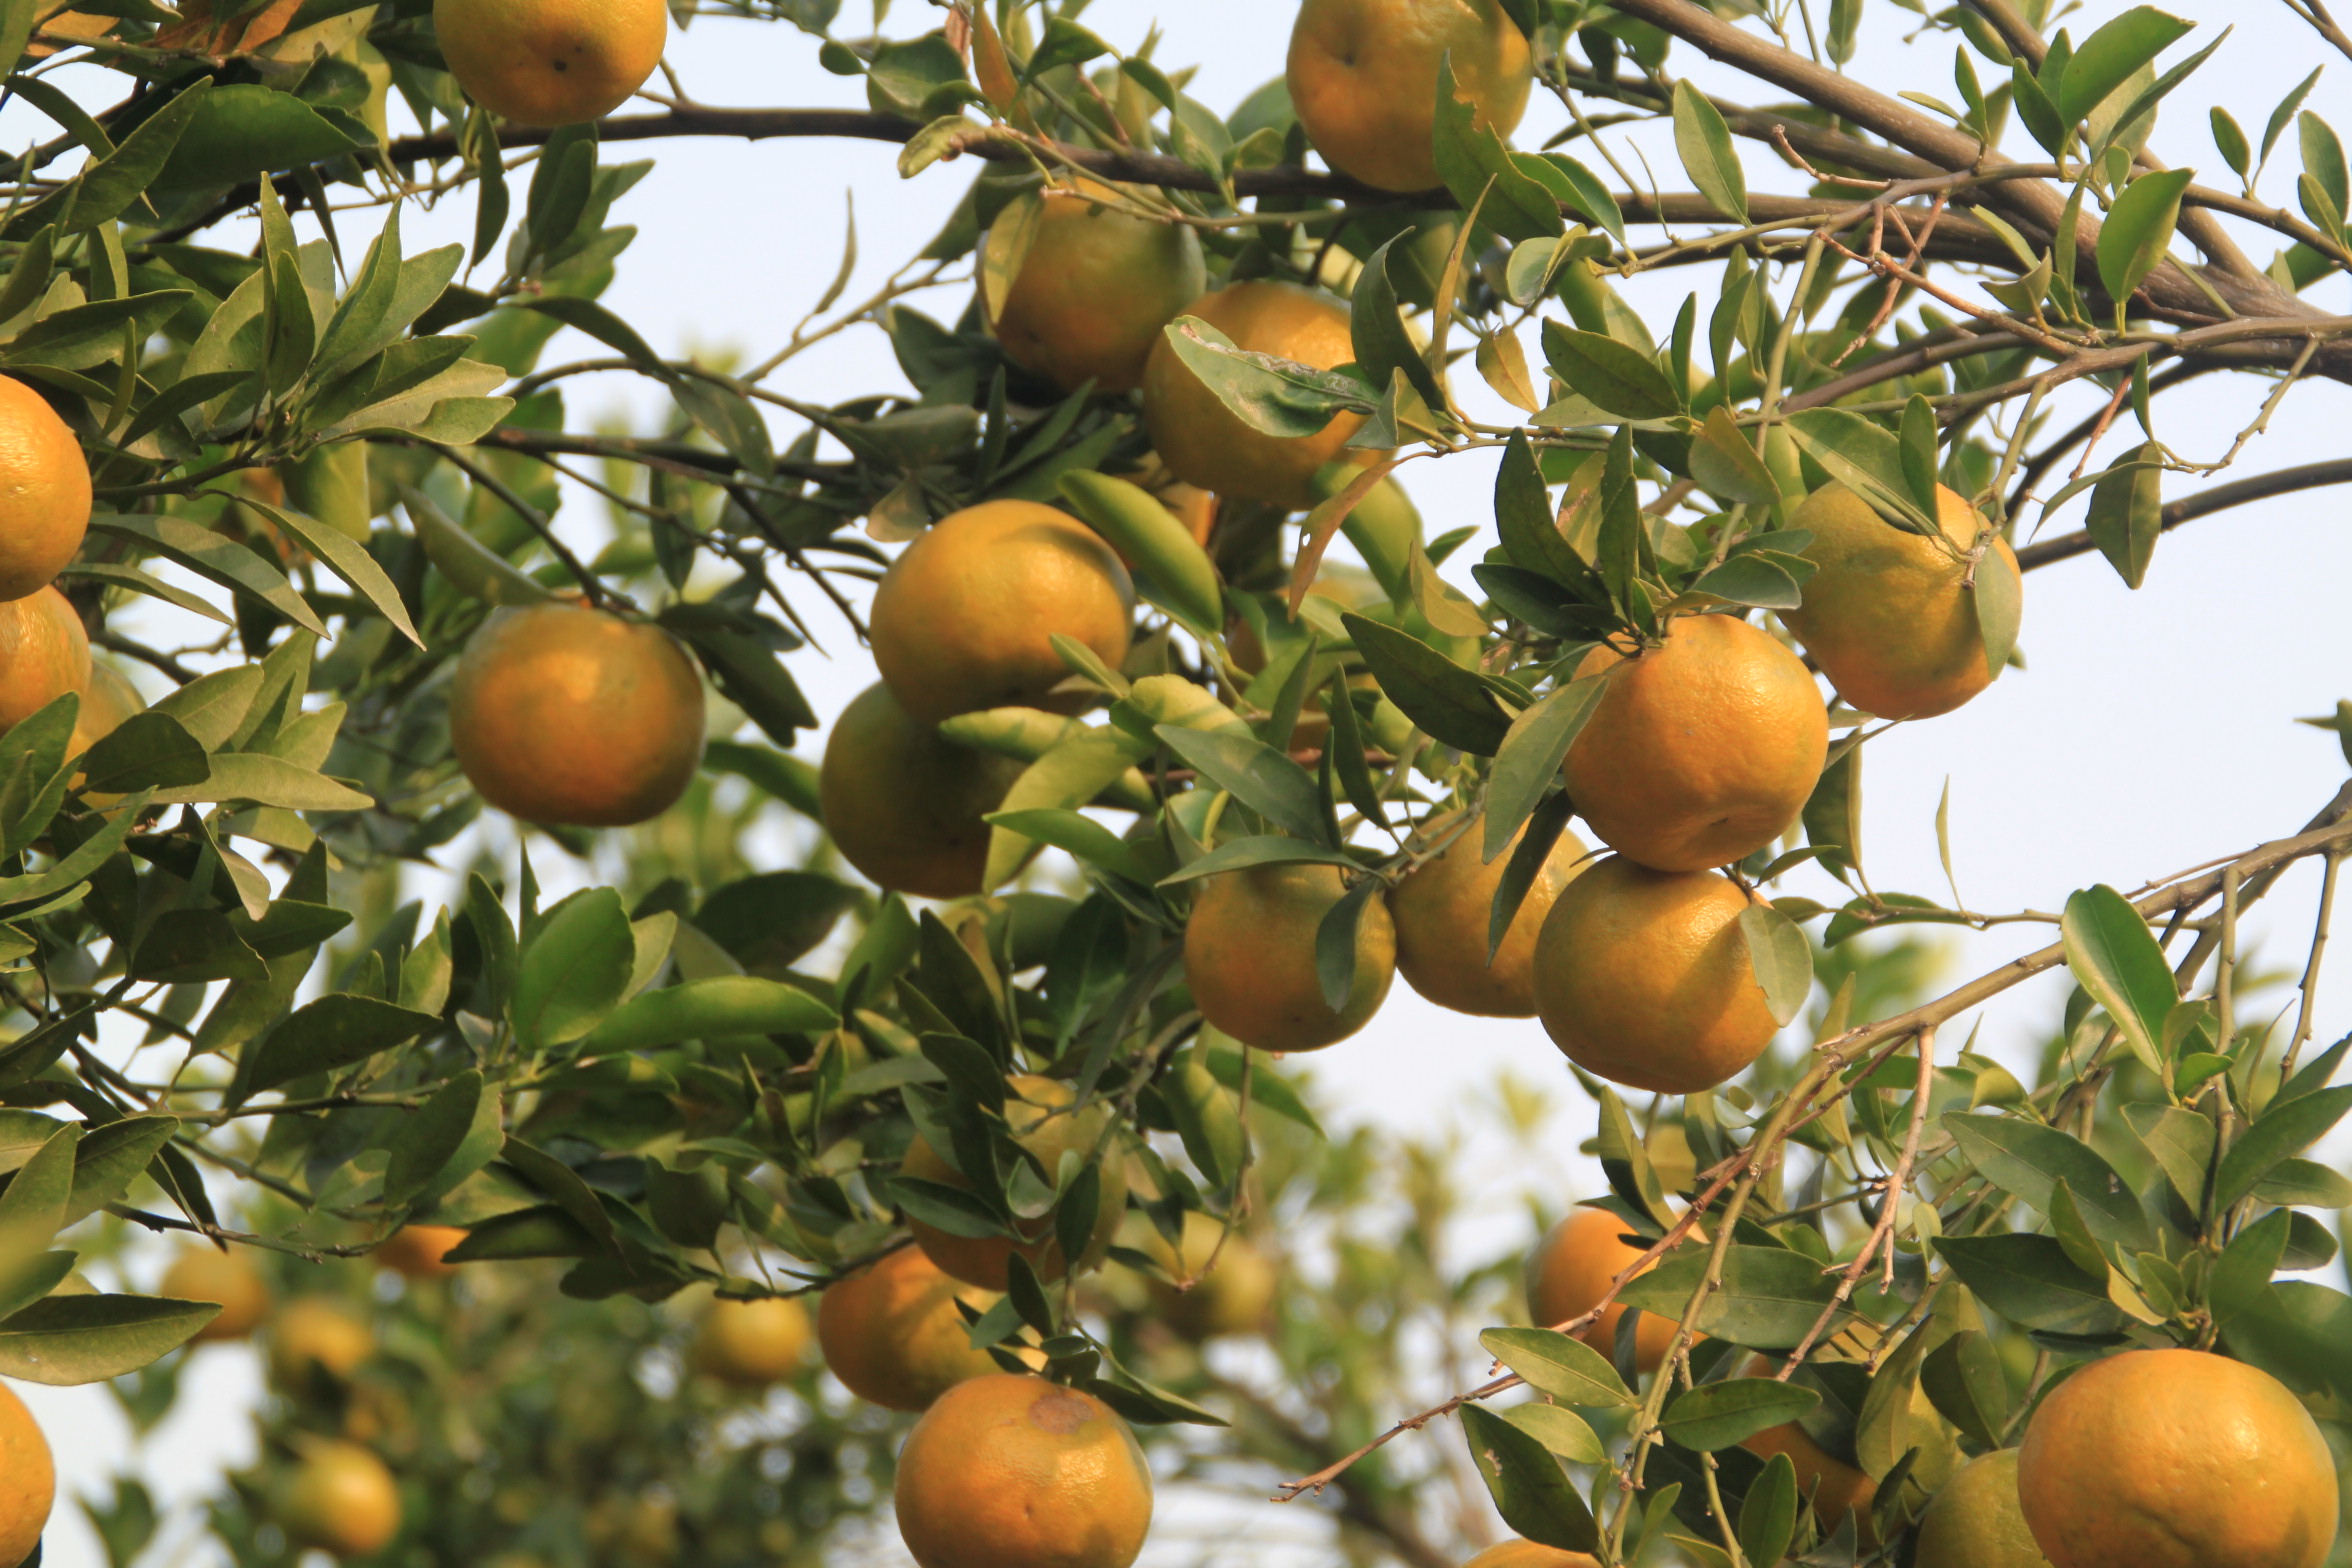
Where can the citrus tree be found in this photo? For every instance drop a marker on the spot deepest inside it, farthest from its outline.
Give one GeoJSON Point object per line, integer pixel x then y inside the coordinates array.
{"type": "Point", "coordinates": [1026, 1136]}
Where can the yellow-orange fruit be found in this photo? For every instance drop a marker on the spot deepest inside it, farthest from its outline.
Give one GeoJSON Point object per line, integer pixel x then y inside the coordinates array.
{"type": "Point", "coordinates": [28, 1480]}
{"type": "Point", "coordinates": [966, 616]}
{"type": "Point", "coordinates": [1010, 1471]}
{"type": "Point", "coordinates": [750, 1344]}
{"type": "Point", "coordinates": [1644, 977]}
{"type": "Point", "coordinates": [904, 804]}
{"type": "Point", "coordinates": [44, 653]}
{"type": "Point", "coordinates": [226, 1278]}
{"type": "Point", "coordinates": [1887, 617]}
{"type": "Point", "coordinates": [2176, 1459]}
{"type": "Point", "coordinates": [313, 1334]}
{"type": "Point", "coordinates": [1976, 1521]}
{"type": "Point", "coordinates": [551, 62]}
{"type": "Point", "coordinates": [418, 1251]}
{"type": "Point", "coordinates": [563, 714]}
{"type": "Point", "coordinates": [1040, 1123]}
{"type": "Point", "coordinates": [1701, 750]}
{"type": "Point", "coordinates": [1363, 76]}
{"type": "Point", "coordinates": [340, 1499]}
{"type": "Point", "coordinates": [1094, 288]}
{"type": "Point", "coordinates": [1249, 956]}
{"type": "Point", "coordinates": [1234, 1297]}
{"type": "Point", "coordinates": [1573, 1266]}
{"type": "Point", "coordinates": [1206, 444]}
{"type": "Point", "coordinates": [44, 492]}
{"type": "Point", "coordinates": [1527, 1554]}
{"type": "Point", "coordinates": [1441, 913]}
{"type": "Point", "coordinates": [893, 1336]}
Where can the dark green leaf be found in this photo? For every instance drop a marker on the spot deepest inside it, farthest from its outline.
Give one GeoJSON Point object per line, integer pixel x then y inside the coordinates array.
{"type": "Point", "coordinates": [1277, 396]}
{"type": "Point", "coordinates": [1609, 375]}
{"type": "Point", "coordinates": [574, 969]}
{"type": "Point", "coordinates": [332, 1032]}
{"type": "Point", "coordinates": [1704, 142]}
{"type": "Point", "coordinates": [2032, 1282]}
{"type": "Point", "coordinates": [1447, 702]}
{"type": "Point", "coordinates": [2028, 1159]}
{"type": "Point", "coordinates": [1529, 759]}
{"type": "Point", "coordinates": [2114, 958]}
{"type": "Point", "coordinates": [2127, 513]}
{"type": "Point", "coordinates": [1530, 1490]}
{"type": "Point", "coordinates": [2110, 55]}
{"type": "Point", "coordinates": [1718, 1415]}
{"type": "Point", "coordinates": [1780, 957]}
{"type": "Point", "coordinates": [1964, 1379]}
{"type": "Point", "coordinates": [65, 1341]}
{"type": "Point", "coordinates": [1261, 778]}
{"type": "Point", "coordinates": [2277, 1135]}
{"type": "Point", "coordinates": [1770, 1298]}
{"type": "Point", "coordinates": [2138, 230]}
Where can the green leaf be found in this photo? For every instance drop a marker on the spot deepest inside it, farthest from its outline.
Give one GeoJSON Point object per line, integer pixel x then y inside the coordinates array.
{"type": "Point", "coordinates": [1447, 702]}
{"type": "Point", "coordinates": [111, 183]}
{"type": "Point", "coordinates": [2304, 1184]}
{"type": "Point", "coordinates": [2278, 1134]}
{"type": "Point", "coordinates": [2109, 57]}
{"type": "Point", "coordinates": [1576, 187]}
{"type": "Point", "coordinates": [1528, 762]}
{"type": "Point", "coordinates": [2032, 1282]}
{"type": "Point", "coordinates": [1079, 835]}
{"type": "Point", "coordinates": [1172, 569]}
{"type": "Point", "coordinates": [1963, 1378]}
{"type": "Point", "coordinates": [2029, 1160]}
{"type": "Point", "coordinates": [1255, 774]}
{"type": "Point", "coordinates": [1768, 1514]}
{"type": "Point", "coordinates": [1335, 942]}
{"type": "Point", "coordinates": [1530, 1490]}
{"type": "Point", "coordinates": [241, 132]}
{"type": "Point", "coordinates": [211, 555]}
{"type": "Point", "coordinates": [2000, 608]}
{"type": "Point", "coordinates": [347, 559]}
{"type": "Point", "coordinates": [1718, 1415]}
{"type": "Point", "coordinates": [109, 1158]}
{"type": "Point", "coordinates": [1264, 849]}
{"type": "Point", "coordinates": [711, 1008]}
{"type": "Point", "coordinates": [2115, 959]}
{"type": "Point", "coordinates": [265, 781]}
{"type": "Point", "coordinates": [1382, 346]}
{"type": "Point", "coordinates": [1560, 1365]}
{"type": "Point", "coordinates": [2242, 1274]}
{"type": "Point", "coordinates": [332, 1032]}
{"type": "Point", "coordinates": [1611, 376]}
{"type": "Point", "coordinates": [1704, 141]}
{"type": "Point", "coordinates": [1781, 959]}
{"type": "Point", "coordinates": [1473, 161]}
{"type": "Point", "coordinates": [1562, 1432]}
{"type": "Point", "coordinates": [1724, 462]}
{"type": "Point", "coordinates": [33, 1208]}
{"type": "Point", "coordinates": [146, 750]}
{"type": "Point", "coordinates": [1276, 396]}
{"type": "Point", "coordinates": [2127, 513]}
{"type": "Point", "coordinates": [84, 336]}
{"type": "Point", "coordinates": [1866, 458]}
{"type": "Point", "coordinates": [65, 1341]}
{"type": "Point", "coordinates": [1753, 577]}
{"type": "Point", "coordinates": [1544, 828]}
{"type": "Point", "coordinates": [454, 1134]}
{"type": "Point", "coordinates": [2182, 1143]}
{"type": "Point", "coordinates": [574, 968]}
{"type": "Point", "coordinates": [1770, 1297]}
{"type": "Point", "coordinates": [2138, 230]}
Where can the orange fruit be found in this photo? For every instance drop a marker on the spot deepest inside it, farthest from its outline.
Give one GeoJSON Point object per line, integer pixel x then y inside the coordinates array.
{"type": "Point", "coordinates": [1234, 1297]}
{"type": "Point", "coordinates": [1249, 956]}
{"type": "Point", "coordinates": [28, 1479]}
{"type": "Point", "coordinates": [904, 803]}
{"type": "Point", "coordinates": [1010, 1471]}
{"type": "Point", "coordinates": [1094, 288]}
{"type": "Point", "coordinates": [551, 62]}
{"type": "Point", "coordinates": [1702, 749]}
{"type": "Point", "coordinates": [340, 1499]}
{"type": "Point", "coordinates": [1031, 1113]}
{"type": "Point", "coordinates": [1363, 76]}
{"type": "Point", "coordinates": [1886, 617]}
{"type": "Point", "coordinates": [1573, 1266]}
{"type": "Point", "coordinates": [226, 1278]}
{"type": "Point", "coordinates": [750, 1344]}
{"type": "Point", "coordinates": [891, 1332]}
{"type": "Point", "coordinates": [44, 492]}
{"type": "Point", "coordinates": [44, 653]}
{"type": "Point", "coordinates": [2176, 1459]}
{"type": "Point", "coordinates": [1441, 912]}
{"type": "Point", "coordinates": [416, 1251]}
{"type": "Point", "coordinates": [1976, 1521]}
{"type": "Point", "coordinates": [312, 1335]}
{"type": "Point", "coordinates": [564, 714]}
{"type": "Point", "coordinates": [965, 617]}
{"type": "Point", "coordinates": [1643, 977]}
{"type": "Point", "coordinates": [1526, 1554]}
{"type": "Point", "coordinates": [1206, 444]}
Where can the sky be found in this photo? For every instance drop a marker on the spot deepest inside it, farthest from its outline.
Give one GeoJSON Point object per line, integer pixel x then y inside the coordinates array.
{"type": "Point", "coordinates": [2150, 730]}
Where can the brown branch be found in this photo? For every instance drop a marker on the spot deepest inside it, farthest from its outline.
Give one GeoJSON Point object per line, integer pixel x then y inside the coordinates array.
{"type": "Point", "coordinates": [2220, 498]}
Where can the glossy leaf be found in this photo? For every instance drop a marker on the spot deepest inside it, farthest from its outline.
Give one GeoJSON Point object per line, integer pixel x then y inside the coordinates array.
{"type": "Point", "coordinates": [1718, 1415]}
{"type": "Point", "coordinates": [1560, 1365]}
{"type": "Point", "coordinates": [2114, 957]}
{"type": "Point", "coordinates": [1530, 1490]}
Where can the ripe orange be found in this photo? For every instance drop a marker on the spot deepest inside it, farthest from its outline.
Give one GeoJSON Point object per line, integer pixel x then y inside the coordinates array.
{"type": "Point", "coordinates": [551, 62]}
{"type": "Point", "coordinates": [1526, 1554]}
{"type": "Point", "coordinates": [1363, 75]}
{"type": "Point", "coordinates": [1234, 1297]}
{"type": "Point", "coordinates": [1886, 617]}
{"type": "Point", "coordinates": [44, 492]}
{"type": "Point", "coordinates": [750, 1344]}
{"type": "Point", "coordinates": [965, 617]}
{"type": "Point", "coordinates": [1976, 1521]}
{"type": "Point", "coordinates": [340, 1499]}
{"type": "Point", "coordinates": [1643, 977]}
{"type": "Point", "coordinates": [28, 1480]}
{"type": "Point", "coordinates": [1701, 750]}
{"type": "Point", "coordinates": [1249, 956]}
{"type": "Point", "coordinates": [1094, 289]}
{"type": "Point", "coordinates": [564, 714]}
{"type": "Point", "coordinates": [1572, 1267]}
{"type": "Point", "coordinates": [313, 1335]}
{"type": "Point", "coordinates": [228, 1278]}
{"type": "Point", "coordinates": [1010, 1471]}
{"type": "Point", "coordinates": [2176, 1459]}
{"type": "Point", "coordinates": [1039, 1123]}
{"type": "Point", "coordinates": [1206, 444]}
{"type": "Point", "coordinates": [44, 653]}
{"type": "Point", "coordinates": [891, 1332]}
{"type": "Point", "coordinates": [416, 1251]}
{"type": "Point", "coordinates": [1441, 914]}
{"type": "Point", "coordinates": [903, 804]}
